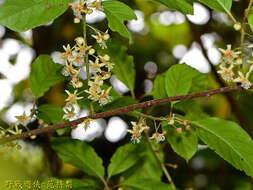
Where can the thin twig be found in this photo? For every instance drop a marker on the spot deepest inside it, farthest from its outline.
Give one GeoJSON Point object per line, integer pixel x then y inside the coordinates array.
{"type": "Point", "coordinates": [121, 110]}
{"type": "Point", "coordinates": [246, 13]}
{"type": "Point", "coordinates": [165, 171]}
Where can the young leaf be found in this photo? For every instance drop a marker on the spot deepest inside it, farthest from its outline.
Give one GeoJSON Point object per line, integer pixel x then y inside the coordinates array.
{"type": "Point", "coordinates": [79, 154]}
{"type": "Point", "coordinates": [178, 79]}
{"type": "Point", "coordinates": [117, 13]}
{"type": "Point", "coordinates": [184, 6]}
{"type": "Point", "coordinates": [44, 74]}
{"type": "Point", "coordinates": [124, 158]}
{"type": "Point", "coordinates": [26, 14]}
{"type": "Point", "coordinates": [50, 113]}
{"type": "Point", "coordinates": [159, 90]}
{"type": "Point", "coordinates": [218, 5]}
{"type": "Point", "coordinates": [250, 21]}
{"type": "Point", "coordinates": [124, 63]}
{"type": "Point", "coordinates": [185, 144]}
{"type": "Point", "coordinates": [229, 141]}
{"type": "Point", "coordinates": [146, 184]}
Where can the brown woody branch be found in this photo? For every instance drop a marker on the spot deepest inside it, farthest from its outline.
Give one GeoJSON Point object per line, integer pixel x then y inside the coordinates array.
{"type": "Point", "coordinates": [120, 111]}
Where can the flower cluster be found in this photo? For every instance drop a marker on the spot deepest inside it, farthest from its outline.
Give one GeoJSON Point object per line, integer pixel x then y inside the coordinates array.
{"type": "Point", "coordinates": [137, 130]}
{"type": "Point", "coordinates": [230, 67]}
{"type": "Point", "coordinates": [81, 7]}
{"type": "Point", "coordinates": [179, 124]}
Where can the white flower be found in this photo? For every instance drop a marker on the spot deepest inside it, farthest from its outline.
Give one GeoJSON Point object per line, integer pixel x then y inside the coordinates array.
{"type": "Point", "coordinates": [226, 73]}
{"type": "Point", "coordinates": [245, 83]}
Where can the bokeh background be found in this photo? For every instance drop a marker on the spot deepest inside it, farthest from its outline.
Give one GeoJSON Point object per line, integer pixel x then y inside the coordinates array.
{"type": "Point", "coordinates": [162, 37]}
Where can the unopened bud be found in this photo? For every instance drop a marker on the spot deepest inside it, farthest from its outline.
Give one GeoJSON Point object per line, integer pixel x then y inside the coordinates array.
{"type": "Point", "coordinates": [33, 137]}
{"type": "Point", "coordinates": [171, 121]}
{"type": "Point", "coordinates": [19, 147]}
{"type": "Point", "coordinates": [188, 127]}
{"type": "Point", "coordinates": [91, 51]}
{"type": "Point", "coordinates": [237, 26]}
{"type": "Point", "coordinates": [106, 57]}
{"type": "Point", "coordinates": [76, 20]}
{"type": "Point", "coordinates": [106, 36]}
{"type": "Point", "coordinates": [179, 130]}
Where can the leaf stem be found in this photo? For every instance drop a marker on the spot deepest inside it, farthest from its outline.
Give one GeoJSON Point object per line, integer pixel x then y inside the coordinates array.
{"type": "Point", "coordinates": [246, 13]}
{"type": "Point", "coordinates": [165, 171]}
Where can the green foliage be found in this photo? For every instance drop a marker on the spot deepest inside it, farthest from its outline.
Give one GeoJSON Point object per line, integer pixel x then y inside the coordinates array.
{"type": "Point", "coordinates": [184, 6]}
{"type": "Point", "coordinates": [179, 79]}
{"type": "Point", "coordinates": [218, 5]}
{"type": "Point", "coordinates": [50, 113]}
{"type": "Point", "coordinates": [26, 14]}
{"type": "Point", "coordinates": [44, 74]}
{"type": "Point", "coordinates": [185, 144]}
{"type": "Point", "coordinates": [124, 158]}
{"type": "Point", "coordinates": [146, 184]}
{"type": "Point", "coordinates": [250, 21]}
{"type": "Point", "coordinates": [229, 141]}
{"type": "Point", "coordinates": [159, 90]}
{"type": "Point", "coordinates": [117, 13]}
{"type": "Point", "coordinates": [79, 154]}
{"type": "Point", "coordinates": [124, 63]}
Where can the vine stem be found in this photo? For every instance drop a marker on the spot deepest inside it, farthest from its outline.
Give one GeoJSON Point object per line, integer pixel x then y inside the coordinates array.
{"type": "Point", "coordinates": [165, 171]}
{"type": "Point", "coordinates": [121, 110]}
{"type": "Point", "coordinates": [246, 13]}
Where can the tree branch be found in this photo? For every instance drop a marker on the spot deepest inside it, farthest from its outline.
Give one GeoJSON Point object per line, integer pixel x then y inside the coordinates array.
{"type": "Point", "coordinates": [118, 111]}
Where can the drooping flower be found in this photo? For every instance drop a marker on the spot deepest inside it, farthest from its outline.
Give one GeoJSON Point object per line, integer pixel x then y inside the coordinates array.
{"type": "Point", "coordinates": [72, 97]}
{"type": "Point", "coordinates": [229, 55]}
{"type": "Point", "coordinates": [226, 73]}
{"type": "Point", "coordinates": [244, 80]}
{"type": "Point", "coordinates": [159, 137]}
{"type": "Point", "coordinates": [23, 119]}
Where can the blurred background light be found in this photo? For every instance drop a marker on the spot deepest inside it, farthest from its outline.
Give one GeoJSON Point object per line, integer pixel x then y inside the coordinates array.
{"type": "Point", "coordinates": [138, 24]}
{"type": "Point", "coordinates": [17, 109]}
{"type": "Point", "coordinates": [195, 58]}
{"type": "Point", "coordinates": [116, 129]}
{"type": "Point", "coordinates": [118, 85]}
{"type": "Point", "coordinates": [2, 31]}
{"type": "Point", "coordinates": [201, 14]}
{"type": "Point", "coordinates": [179, 51]}
{"type": "Point", "coordinates": [95, 130]}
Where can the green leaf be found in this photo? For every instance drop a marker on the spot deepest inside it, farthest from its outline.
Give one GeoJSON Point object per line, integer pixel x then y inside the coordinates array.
{"type": "Point", "coordinates": [124, 158]}
{"type": "Point", "coordinates": [250, 21]}
{"type": "Point", "coordinates": [147, 184]}
{"type": "Point", "coordinates": [116, 13]}
{"type": "Point", "coordinates": [218, 5]}
{"type": "Point", "coordinates": [26, 14]}
{"type": "Point", "coordinates": [44, 74]}
{"type": "Point", "coordinates": [159, 90]}
{"type": "Point", "coordinates": [50, 113]}
{"type": "Point", "coordinates": [185, 144]}
{"type": "Point", "coordinates": [124, 64]}
{"type": "Point", "coordinates": [79, 154]}
{"type": "Point", "coordinates": [229, 141]}
{"type": "Point", "coordinates": [184, 6]}
{"type": "Point", "coordinates": [148, 167]}
{"type": "Point", "coordinates": [178, 79]}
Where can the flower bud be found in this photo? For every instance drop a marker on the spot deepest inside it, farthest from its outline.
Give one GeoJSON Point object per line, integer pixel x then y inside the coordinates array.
{"type": "Point", "coordinates": [76, 20]}
{"type": "Point", "coordinates": [237, 26]}
{"type": "Point", "coordinates": [106, 36]}
{"type": "Point", "coordinates": [188, 127]}
{"type": "Point", "coordinates": [179, 130]}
